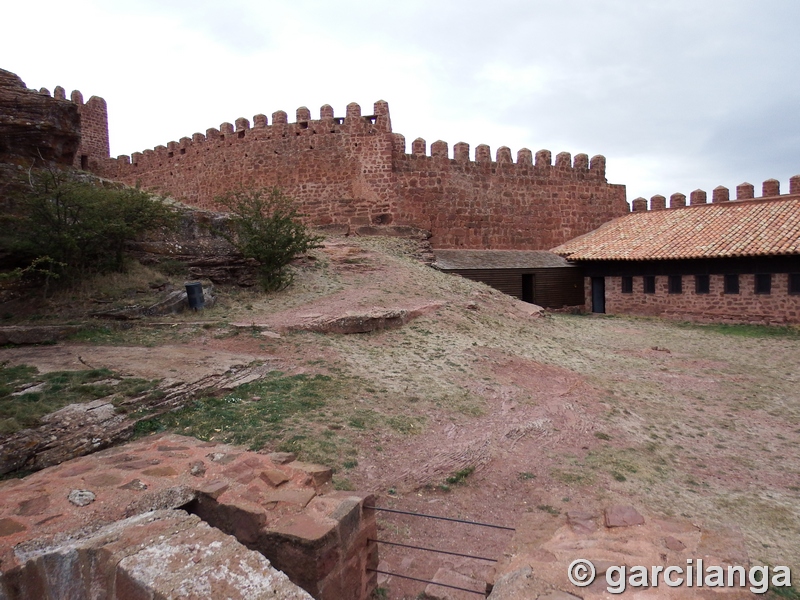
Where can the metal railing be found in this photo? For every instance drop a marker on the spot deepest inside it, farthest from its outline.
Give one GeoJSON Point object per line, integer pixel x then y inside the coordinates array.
{"type": "Point", "coordinates": [435, 550]}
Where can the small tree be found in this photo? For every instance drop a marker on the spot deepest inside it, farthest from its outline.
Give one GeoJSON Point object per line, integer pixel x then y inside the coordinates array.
{"type": "Point", "coordinates": [266, 226]}
{"type": "Point", "coordinates": [76, 225]}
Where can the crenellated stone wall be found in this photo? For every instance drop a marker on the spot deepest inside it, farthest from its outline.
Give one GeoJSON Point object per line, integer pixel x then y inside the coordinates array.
{"type": "Point", "coordinates": [352, 171]}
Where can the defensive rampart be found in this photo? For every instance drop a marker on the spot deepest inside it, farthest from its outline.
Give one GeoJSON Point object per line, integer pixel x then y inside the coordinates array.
{"type": "Point", "coordinates": [353, 171]}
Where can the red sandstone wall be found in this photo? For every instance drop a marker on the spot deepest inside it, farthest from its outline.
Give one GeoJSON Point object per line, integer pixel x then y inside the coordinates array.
{"type": "Point", "coordinates": [339, 169]}
{"type": "Point", "coordinates": [503, 204]}
{"type": "Point", "coordinates": [355, 172]}
{"type": "Point", "coordinates": [778, 307]}
{"type": "Point", "coordinates": [94, 147]}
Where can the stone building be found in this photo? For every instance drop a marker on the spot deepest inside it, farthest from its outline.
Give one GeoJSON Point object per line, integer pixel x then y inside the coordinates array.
{"type": "Point", "coordinates": [736, 261]}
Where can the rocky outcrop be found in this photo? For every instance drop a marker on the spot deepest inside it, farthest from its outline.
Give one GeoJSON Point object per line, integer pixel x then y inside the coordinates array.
{"type": "Point", "coordinates": [80, 429]}
{"type": "Point", "coordinates": [199, 243]}
{"type": "Point", "coordinates": [174, 302]}
{"type": "Point", "coordinates": [376, 319]}
{"type": "Point", "coordinates": [34, 126]}
{"type": "Point", "coordinates": [615, 540]}
{"type": "Point", "coordinates": [19, 335]}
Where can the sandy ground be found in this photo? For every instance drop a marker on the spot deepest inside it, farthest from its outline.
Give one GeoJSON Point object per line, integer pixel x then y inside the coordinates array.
{"type": "Point", "coordinates": [553, 414]}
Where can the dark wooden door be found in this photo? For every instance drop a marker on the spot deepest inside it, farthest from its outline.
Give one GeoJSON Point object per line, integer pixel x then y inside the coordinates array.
{"type": "Point", "coordinates": [598, 294]}
{"type": "Point", "coordinates": [527, 287]}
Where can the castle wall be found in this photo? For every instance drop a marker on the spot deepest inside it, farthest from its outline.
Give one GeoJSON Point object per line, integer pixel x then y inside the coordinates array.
{"type": "Point", "coordinates": [354, 171]}
{"type": "Point", "coordinates": [338, 168]}
{"type": "Point", "coordinates": [503, 204]}
{"type": "Point", "coordinates": [94, 147]}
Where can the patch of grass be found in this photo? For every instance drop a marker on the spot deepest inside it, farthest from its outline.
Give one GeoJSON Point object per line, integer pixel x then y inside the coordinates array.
{"type": "Point", "coordinates": [602, 436]}
{"type": "Point", "coordinates": [549, 509]}
{"type": "Point", "coordinates": [343, 484]}
{"type": "Point", "coordinates": [127, 334]}
{"type": "Point", "coordinates": [363, 419]}
{"type": "Point", "coordinates": [405, 424]}
{"type": "Point", "coordinates": [380, 593]}
{"type": "Point", "coordinates": [784, 592]}
{"type": "Point", "coordinates": [460, 476]}
{"type": "Point", "coordinates": [236, 418]}
{"type": "Point", "coordinates": [525, 476]}
{"type": "Point", "coordinates": [51, 391]}
{"type": "Point", "coordinates": [749, 331]}
{"type": "Point", "coordinates": [572, 477]}
{"type": "Point", "coordinates": [172, 267]}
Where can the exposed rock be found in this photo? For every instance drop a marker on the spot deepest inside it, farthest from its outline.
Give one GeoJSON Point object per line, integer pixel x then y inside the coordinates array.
{"type": "Point", "coordinates": [79, 429]}
{"type": "Point", "coordinates": [394, 231]}
{"type": "Point", "coordinates": [528, 309]}
{"type": "Point", "coordinates": [31, 334]}
{"type": "Point", "coordinates": [274, 477]}
{"type": "Point", "coordinates": [534, 565]}
{"type": "Point", "coordinates": [674, 544]}
{"type": "Point", "coordinates": [198, 468]}
{"type": "Point", "coordinates": [174, 302]}
{"type": "Point", "coordinates": [81, 497]}
{"type": "Point", "coordinates": [581, 521]}
{"type": "Point", "coordinates": [352, 322]}
{"type": "Point", "coordinates": [199, 243]}
{"type": "Point", "coordinates": [34, 126]}
{"type": "Point", "coordinates": [282, 458]}
{"type": "Point", "coordinates": [452, 578]}
{"type": "Point", "coordinates": [621, 515]}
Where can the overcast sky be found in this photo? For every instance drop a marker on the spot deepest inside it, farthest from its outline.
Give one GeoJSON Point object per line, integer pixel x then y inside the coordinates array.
{"type": "Point", "coordinates": [677, 94]}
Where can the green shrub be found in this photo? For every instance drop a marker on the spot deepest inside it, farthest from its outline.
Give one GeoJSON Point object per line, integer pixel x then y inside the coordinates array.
{"type": "Point", "coordinates": [64, 225]}
{"type": "Point", "coordinates": [266, 226]}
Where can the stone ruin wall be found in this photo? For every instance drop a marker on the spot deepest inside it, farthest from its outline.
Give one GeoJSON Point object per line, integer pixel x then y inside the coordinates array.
{"type": "Point", "coordinates": [93, 114]}
{"type": "Point", "coordinates": [352, 171]}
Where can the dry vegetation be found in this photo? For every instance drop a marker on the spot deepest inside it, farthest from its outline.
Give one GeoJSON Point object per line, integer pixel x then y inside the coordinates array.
{"type": "Point", "coordinates": [522, 414]}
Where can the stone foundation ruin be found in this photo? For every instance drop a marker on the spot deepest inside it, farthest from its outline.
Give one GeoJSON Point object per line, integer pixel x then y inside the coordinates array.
{"type": "Point", "coordinates": [171, 516]}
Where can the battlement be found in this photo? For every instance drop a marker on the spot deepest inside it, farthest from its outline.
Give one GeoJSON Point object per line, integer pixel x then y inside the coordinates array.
{"type": "Point", "coordinates": [353, 171]}
{"type": "Point", "coordinates": [771, 188]}
{"type": "Point", "coordinates": [542, 164]}
{"type": "Point", "coordinates": [280, 128]}
{"type": "Point", "coordinates": [94, 146]}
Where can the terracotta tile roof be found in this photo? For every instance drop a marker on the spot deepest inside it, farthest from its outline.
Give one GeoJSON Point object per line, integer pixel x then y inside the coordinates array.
{"type": "Point", "coordinates": [768, 227]}
{"type": "Point", "coordinates": [448, 260]}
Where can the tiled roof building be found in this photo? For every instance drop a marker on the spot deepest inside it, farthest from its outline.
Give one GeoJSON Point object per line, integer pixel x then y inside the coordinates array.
{"type": "Point", "coordinates": [733, 261]}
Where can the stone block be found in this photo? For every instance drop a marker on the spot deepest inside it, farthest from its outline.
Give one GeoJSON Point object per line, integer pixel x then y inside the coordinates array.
{"type": "Point", "coordinates": [621, 515]}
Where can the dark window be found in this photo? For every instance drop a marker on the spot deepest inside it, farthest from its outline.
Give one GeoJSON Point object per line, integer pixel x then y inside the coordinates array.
{"type": "Point", "coordinates": [702, 284]}
{"type": "Point", "coordinates": [84, 162]}
{"type": "Point", "coordinates": [627, 285]}
{"type": "Point", "coordinates": [732, 284]}
{"type": "Point", "coordinates": [649, 283]}
{"type": "Point", "coordinates": [675, 284]}
{"type": "Point", "coordinates": [763, 283]}
{"type": "Point", "coordinates": [794, 283]}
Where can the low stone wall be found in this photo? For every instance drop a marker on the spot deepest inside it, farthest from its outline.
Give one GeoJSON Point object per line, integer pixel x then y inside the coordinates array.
{"type": "Point", "coordinates": [52, 525]}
